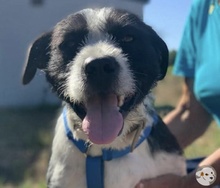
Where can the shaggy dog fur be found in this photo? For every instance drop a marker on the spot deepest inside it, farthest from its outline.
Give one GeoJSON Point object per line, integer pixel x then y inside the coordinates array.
{"type": "Point", "coordinates": [103, 64]}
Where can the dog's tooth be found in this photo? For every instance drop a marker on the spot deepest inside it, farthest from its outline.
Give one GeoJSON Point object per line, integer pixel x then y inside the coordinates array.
{"type": "Point", "coordinates": [121, 100]}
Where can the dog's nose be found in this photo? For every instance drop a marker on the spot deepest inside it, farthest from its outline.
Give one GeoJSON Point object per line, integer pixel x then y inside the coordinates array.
{"type": "Point", "coordinates": [100, 67]}
{"type": "Point", "coordinates": [101, 73]}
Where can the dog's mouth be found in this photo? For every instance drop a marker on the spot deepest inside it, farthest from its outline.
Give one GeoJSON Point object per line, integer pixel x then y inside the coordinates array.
{"type": "Point", "coordinates": [103, 116]}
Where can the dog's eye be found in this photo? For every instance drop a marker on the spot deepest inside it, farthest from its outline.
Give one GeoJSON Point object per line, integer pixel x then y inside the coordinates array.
{"type": "Point", "coordinates": [67, 44]}
{"type": "Point", "coordinates": [127, 38]}
{"type": "Point", "coordinates": [206, 174]}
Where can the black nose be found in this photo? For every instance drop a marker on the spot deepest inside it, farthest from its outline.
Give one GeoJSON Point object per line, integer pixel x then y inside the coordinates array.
{"type": "Point", "coordinates": [100, 67]}
{"type": "Point", "coordinates": [101, 73]}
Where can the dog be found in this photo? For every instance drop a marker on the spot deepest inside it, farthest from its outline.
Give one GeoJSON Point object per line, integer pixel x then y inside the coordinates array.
{"type": "Point", "coordinates": [103, 63]}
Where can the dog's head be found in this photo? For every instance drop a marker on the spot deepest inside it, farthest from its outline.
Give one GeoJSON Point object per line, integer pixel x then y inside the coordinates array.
{"type": "Point", "coordinates": [103, 62]}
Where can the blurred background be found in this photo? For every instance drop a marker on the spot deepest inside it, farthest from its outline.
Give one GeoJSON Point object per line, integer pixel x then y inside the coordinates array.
{"type": "Point", "coordinates": [28, 113]}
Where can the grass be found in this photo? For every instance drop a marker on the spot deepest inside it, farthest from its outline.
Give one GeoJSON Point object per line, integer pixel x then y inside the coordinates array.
{"type": "Point", "coordinates": [206, 144]}
{"type": "Point", "coordinates": [29, 183]}
{"type": "Point", "coordinates": [26, 136]}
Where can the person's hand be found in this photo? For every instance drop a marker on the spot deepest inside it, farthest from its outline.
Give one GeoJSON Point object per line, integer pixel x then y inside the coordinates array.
{"type": "Point", "coordinates": [164, 181]}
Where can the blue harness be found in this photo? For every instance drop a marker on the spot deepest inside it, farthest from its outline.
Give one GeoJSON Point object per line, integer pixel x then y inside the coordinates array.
{"type": "Point", "coordinates": [95, 165]}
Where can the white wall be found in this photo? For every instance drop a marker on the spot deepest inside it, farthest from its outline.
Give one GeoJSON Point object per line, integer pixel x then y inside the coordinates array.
{"type": "Point", "coordinates": [20, 24]}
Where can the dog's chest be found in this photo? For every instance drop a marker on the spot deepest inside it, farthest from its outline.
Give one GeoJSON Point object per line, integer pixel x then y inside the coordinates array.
{"type": "Point", "coordinates": [121, 172]}
{"type": "Point", "coordinates": [69, 170]}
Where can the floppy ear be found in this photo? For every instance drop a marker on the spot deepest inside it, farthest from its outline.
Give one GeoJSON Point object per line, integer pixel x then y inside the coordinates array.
{"type": "Point", "coordinates": [163, 54]}
{"type": "Point", "coordinates": [38, 57]}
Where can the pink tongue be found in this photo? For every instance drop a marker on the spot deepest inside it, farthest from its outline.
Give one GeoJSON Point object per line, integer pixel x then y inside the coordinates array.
{"type": "Point", "coordinates": [103, 121]}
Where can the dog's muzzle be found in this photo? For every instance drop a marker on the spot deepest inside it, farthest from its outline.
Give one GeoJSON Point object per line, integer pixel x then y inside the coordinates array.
{"type": "Point", "coordinates": [103, 121]}
{"type": "Point", "coordinates": [103, 110]}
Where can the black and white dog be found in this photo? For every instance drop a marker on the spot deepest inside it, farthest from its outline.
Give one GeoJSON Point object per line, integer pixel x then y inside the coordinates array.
{"type": "Point", "coordinates": [103, 64]}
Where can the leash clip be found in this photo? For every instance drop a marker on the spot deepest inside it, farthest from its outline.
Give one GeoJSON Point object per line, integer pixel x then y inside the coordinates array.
{"type": "Point", "coordinates": [88, 146]}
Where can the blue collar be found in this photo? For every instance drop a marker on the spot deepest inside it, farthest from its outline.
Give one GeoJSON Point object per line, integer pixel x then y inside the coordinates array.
{"type": "Point", "coordinates": [95, 165]}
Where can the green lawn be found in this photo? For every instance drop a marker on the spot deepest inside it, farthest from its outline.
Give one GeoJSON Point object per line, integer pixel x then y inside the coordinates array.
{"type": "Point", "coordinates": [26, 136]}
{"type": "Point", "coordinates": [206, 144]}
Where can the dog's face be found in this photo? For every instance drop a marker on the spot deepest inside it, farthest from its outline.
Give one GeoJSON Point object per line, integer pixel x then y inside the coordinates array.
{"type": "Point", "coordinates": [103, 62]}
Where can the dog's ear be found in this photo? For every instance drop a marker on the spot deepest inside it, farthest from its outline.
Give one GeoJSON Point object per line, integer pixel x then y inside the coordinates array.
{"type": "Point", "coordinates": [38, 57]}
{"type": "Point", "coordinates": [163, 53]}
{"type": "Point", "coordinates": [164, 57]}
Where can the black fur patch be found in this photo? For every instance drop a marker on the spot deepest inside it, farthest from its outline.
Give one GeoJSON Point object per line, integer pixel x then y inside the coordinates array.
{"type": "Point", "coordinates": [161, 138]}
{"type": "Point", "coordinates": [74, 39]}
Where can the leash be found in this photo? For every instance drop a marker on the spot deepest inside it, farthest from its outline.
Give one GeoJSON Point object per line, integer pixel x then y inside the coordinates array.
{"type": "Point", "coordinates": [95, 165]}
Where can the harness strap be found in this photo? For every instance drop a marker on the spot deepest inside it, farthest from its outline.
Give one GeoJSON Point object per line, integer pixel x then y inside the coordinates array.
{"type": "Point", "coordinates": [95, 165]}
{"type": "Point", "coordinates": [94, 172]}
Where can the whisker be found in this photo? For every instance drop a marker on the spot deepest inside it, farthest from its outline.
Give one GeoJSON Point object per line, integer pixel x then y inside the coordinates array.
{"type": "Point", "coordinates": [140, 73]}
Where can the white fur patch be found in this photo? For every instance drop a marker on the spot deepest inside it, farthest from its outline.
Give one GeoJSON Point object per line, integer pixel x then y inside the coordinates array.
{"type": "Point", "coordinates": [75, 85]}
{"type": "Point", "coordinates": [96, 18]}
